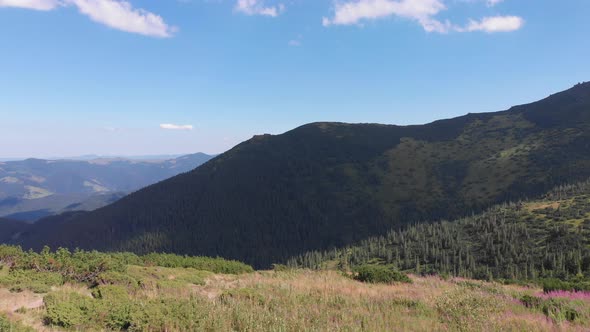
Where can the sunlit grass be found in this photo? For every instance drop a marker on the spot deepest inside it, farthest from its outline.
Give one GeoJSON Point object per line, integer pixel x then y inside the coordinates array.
{"type": "Point", "coordinates": [177, 299]}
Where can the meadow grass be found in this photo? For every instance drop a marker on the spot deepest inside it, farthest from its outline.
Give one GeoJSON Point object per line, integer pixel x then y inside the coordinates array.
{"type": "Point", "coordinates": [180, 299]}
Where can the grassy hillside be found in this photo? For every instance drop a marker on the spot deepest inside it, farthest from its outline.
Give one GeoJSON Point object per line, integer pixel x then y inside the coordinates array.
{"type": "Point", "coordinates": [122, 292]}
{"type": "Point", "coordinates": [328, 185]}
{"type": "Point", "coordinates": [528, 240]}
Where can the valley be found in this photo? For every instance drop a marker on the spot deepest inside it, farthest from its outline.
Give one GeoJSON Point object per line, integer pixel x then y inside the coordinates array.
{"type": "Point", "coordinates": [34, 188]}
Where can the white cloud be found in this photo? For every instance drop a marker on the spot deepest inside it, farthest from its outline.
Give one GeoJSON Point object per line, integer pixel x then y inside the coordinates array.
{"type": "Point", "coordinates": [495, 24]}
{"type": "Point", "coordinates": [296, 42]}
{"type": "Point", "coordinates": [170, 126]}
{"type": "Point", "coordinates": [122, 16]}
{"type": "Point", "coordinates": [117, 14]}
{"type": "Point", "coordinates": [492, 3]}
{"type": "Point", "coordinates": [422, 11]}
{"type": "Point", "coordinates": [31, 4]}
{"type": "Point", "coordinates": [256, 7]}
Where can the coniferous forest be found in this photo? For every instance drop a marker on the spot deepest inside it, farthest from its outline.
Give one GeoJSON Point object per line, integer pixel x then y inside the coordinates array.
{"type": "Point", "coordinates": [524, 240]}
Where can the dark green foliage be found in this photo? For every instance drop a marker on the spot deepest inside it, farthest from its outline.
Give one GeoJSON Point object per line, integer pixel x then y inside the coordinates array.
{"type": "Point", "coordinates": [168, 315]}
{"type": "Point", "coordinates": [216, 265]}
{"type": "Point", "coordinates": [556, 309]}
{"type": "Point", "coordinates": [111, 308]}
{"type": "Point", "coordinates": [118, 278]}
{"type": "Point", "coordinates": [68, 310]}
{"type": "Point", "coordinates": [554, 284]}
{"type": "Point", "coordinates": [49, 268]}
{"type": "Point", "coordinates": [379, 274]}
{"type": "Point", "coordinates": [516, 241]}
{"type": "Point", "coordinates": [78, 266]}
{"type": "Point", "coordinates": [329, 185]}
{"type": "Point", "coordinates": [37, 282]}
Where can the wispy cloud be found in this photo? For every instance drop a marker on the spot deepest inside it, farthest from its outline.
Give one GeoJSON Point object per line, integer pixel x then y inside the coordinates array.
{"type": "Point", "coordinates": [31, 4]}
{"type": "Point", "coordinates": [496, 24]}
{"type": "Point", "coordinates": [116, 14]}
{"type": "Point", "coordinates": [257, 7]}
{"type": "Point", "coordinates": [296, 42]}
{"type": "Point", "coordinates": [492, 3]}
{"type": "Point", "coordinates": [122, 16]}
{"type": "Point", "coordinates": [170, 126]}
{"type": "Point", "coordinates": [424, 12]}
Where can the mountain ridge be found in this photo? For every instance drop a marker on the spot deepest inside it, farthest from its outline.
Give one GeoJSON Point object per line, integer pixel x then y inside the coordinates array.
{"type": "Point", "coordinates": [330, 184]}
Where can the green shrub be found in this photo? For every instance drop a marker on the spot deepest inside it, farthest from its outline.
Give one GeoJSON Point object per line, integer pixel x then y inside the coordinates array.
{"type": "Point", "coordinates": [216, 265]}
{"type": "Point", "coordinates": [38, 282]}
{"type": "Point", "coordinates": [379, 274]}
{"type": "Point", "coordinates": [530, 301]}
{"type": "Point", "coordinates": [168, 315]}
{"type": "Point", "coordinates": [553, 284]}
{"type": "Point", "coordinates": [114, 306]}
{"type": "Point", "coordinates": [88, 266]}
{"type": "Point", "coordinates": [118, 278]}
{"type": "Point", "coordinates": [79, 266]}
{"type": "Point", "coordinates": [556, 309]}
{"type": "Point", "coordinates": [68, 310]}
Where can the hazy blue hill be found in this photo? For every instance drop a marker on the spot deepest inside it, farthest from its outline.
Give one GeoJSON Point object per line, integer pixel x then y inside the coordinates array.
{"type": "Point", "coordinates": [33, 188]}
{"type": "Point", "coordinates": [331, 184]}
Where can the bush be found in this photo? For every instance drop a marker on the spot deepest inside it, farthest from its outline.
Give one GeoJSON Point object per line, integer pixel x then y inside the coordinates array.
{"type": "Point", "coordinates": [37, 282]}
{"type": "Point", "coordinates": [68, 310]}
{"type": "Point", "coordinates": [379, 274]}
{"type": "Point", "coordinates": [114, 306]}
{"type": "Point", "coordinates": [168, 315]}
{"type": "Point", "coordinates": [118, 278]}
{"type": "Point", "coordinates": [557, 309]}
{"type": "Point", "coordinates": [79, 266]}
{"type": "Point", "coordinates": [550, 285]}
{"type": "Point", "coordinates": [216, 265]}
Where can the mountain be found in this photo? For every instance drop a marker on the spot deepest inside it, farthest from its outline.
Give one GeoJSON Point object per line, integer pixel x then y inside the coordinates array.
{"type": "Point", "coordinates": [34, 188]}
{"type": "Point", "coordinates": [10, 229]}
{"type": "Point", "coordinates": [525, 240]}
{"type": "Point", "coordinates": [331, 184]}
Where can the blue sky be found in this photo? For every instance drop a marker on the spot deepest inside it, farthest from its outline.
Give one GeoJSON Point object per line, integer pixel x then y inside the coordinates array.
{"type": "Point", "coordinates": [166, 77]}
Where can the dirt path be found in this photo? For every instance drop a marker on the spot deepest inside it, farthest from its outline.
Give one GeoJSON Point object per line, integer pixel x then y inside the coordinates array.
{"type": "Point", "coordinates": [10, 302]}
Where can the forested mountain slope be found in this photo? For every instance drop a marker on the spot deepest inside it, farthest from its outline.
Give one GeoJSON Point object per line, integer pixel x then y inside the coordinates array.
{"type": "Point", "coordinates": [326, 185]}
{"type": "Point", "coordinates": [525, 240]}
{"type": "Point", "coordinates": [11, 228]}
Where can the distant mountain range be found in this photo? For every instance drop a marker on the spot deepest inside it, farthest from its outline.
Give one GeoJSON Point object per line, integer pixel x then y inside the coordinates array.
{"type": "Point", "coordinates": [327, 185]}
{"type": "Point", "coordinates": [35, 188]}
{"type": "Point", "coordinates": [88, 157]}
